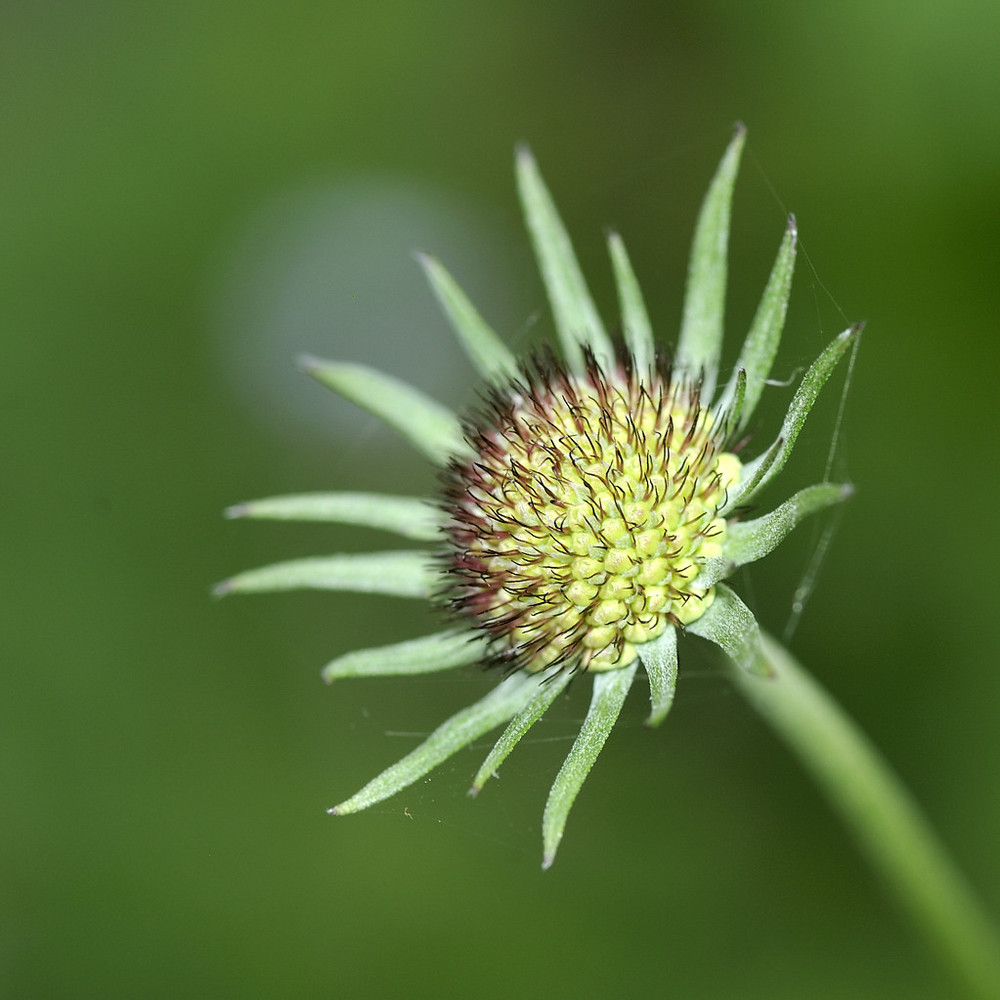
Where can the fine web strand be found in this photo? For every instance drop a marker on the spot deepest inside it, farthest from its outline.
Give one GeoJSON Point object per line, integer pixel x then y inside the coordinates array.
{"type": "Point", "coordinates": [822, 536]}
{"type": "Point", "coordinates": [835, 455]}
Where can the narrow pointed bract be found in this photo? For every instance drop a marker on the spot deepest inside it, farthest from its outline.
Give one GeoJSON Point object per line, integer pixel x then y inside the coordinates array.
{"type": "Point", "coordinates": [636, 328]}
{"type": "Point", "coordinates": [700, 343]}
{"type": "Point", "coordinates": [430, 653]}
{"type": "Point", "coordinates": [400, 574]}
{"type": "Point", "coordinates": [411, 517]}
{"type": "Point", "coordinates": [431, 427]}
{"type": "Point", "coordinates": [749, 541]}
{"type": "Point", "coordinates": [493, 359]}
{"type": "Point", "coordinates": [589, 509]}
{"type": "Point", "coordinates": [610, 691]}
{"type": "Point", "coordinates": [761, 345]}
{"type": "Point", "coordinates": [577, 321]}
{"type": "Point", "coordinates": [802, 402]}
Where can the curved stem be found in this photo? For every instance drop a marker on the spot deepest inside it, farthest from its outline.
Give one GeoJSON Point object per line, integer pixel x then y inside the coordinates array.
{"type": "Point", "coordinates": [880, 813]}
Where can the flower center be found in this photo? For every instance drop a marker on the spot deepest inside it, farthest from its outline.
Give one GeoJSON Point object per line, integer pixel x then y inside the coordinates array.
{"type": "Point", "coordinates": [579, 528]}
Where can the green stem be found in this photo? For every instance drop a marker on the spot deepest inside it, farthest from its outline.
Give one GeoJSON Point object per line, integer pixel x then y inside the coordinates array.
{"type": "Point", "coordinates": [881, 815]}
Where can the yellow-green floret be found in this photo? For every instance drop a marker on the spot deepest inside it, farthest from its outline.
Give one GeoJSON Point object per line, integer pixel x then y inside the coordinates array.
{"type": "Point", "coordinates": [580, 525]}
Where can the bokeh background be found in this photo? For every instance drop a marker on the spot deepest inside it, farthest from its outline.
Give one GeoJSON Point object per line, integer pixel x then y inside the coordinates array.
{"type": "Point", "coordinates": [193, 192]}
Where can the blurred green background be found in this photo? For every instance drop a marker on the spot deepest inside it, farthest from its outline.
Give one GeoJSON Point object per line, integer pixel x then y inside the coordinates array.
{"type": "Point", "coordinates": [190, 194]}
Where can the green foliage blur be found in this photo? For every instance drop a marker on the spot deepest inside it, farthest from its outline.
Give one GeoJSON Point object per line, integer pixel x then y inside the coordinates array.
{"type": "Point", "coordinates": [192, 193]}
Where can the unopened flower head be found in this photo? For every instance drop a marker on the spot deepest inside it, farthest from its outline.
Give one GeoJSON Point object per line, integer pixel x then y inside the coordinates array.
{"type": "Point", "coordinates": [590, 510]}
{"type": "Point", "coordinates": [578, 529]}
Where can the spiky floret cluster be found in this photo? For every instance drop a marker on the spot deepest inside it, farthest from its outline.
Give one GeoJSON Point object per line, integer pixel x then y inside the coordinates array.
{"type": "Point", "coordinates": [587, 510]}
{"type": "Point", "coordinates": [579, 527]}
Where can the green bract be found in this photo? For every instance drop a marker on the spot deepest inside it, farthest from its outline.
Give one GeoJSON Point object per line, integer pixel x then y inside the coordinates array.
{"type": "Point", "coordinates": [587, 511]}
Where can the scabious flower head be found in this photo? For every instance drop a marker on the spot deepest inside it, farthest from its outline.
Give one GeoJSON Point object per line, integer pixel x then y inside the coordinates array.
{"type": "Point", "coordinates": [577, 529]}
{"type": "Point", "coordinates": [589, 510]}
